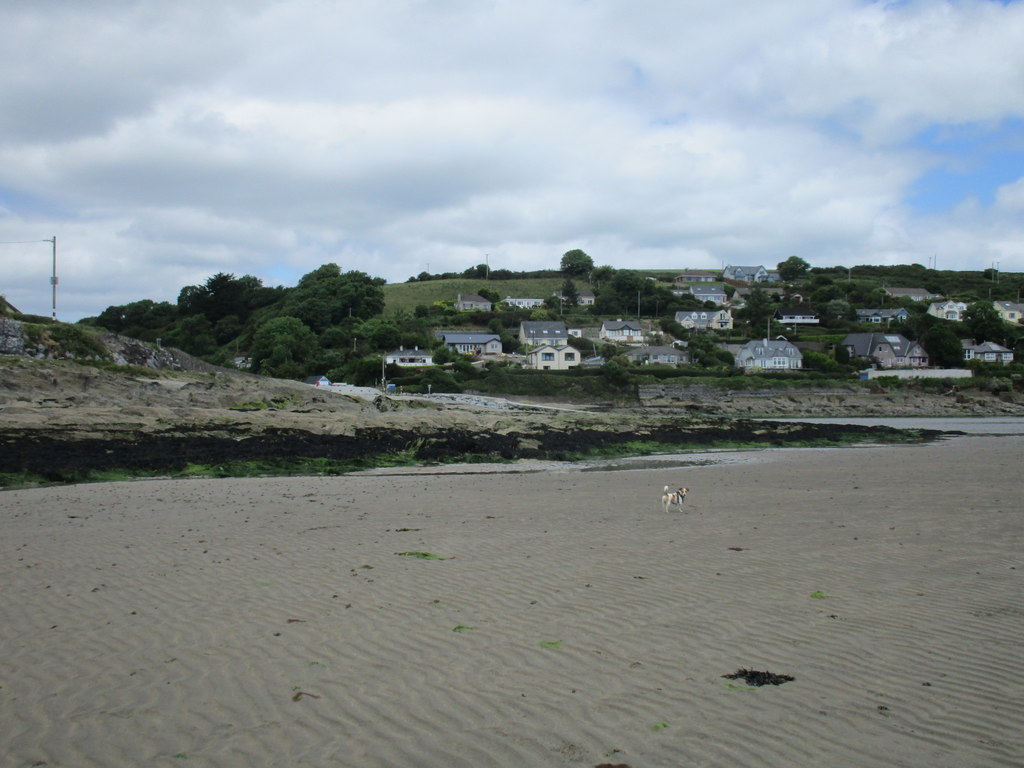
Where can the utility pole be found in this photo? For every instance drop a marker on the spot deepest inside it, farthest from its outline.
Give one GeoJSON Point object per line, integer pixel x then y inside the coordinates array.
{"type": "Point", "coordinates": [53, 278]}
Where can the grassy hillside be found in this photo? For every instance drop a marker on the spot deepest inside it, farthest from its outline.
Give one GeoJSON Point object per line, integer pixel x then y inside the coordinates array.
{"type": "Point", "coordinates": [405, 296]}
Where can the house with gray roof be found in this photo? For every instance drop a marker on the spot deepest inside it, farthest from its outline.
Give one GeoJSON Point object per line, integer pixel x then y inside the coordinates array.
{"type": "Point", "coordinates": [533, 333]}
{"type": "Point", "coordinates": [746, 274]}
{"type": "Point", "coordinates": [987, 351]}
{"type": "Point", "coordinates": [886, 316]}
{"type": "Point", "coordinates": [914, 294]}
{"type": "Point", "coordinates": [713, 293]}
{"type": "Point", "coordinates": [769, 355]}
{"type": "Point", "coordinates": [1010, 311]}
{"type": "Point", "coordinates": [623, 331]}
{"type": "Point", "coordinates": [704, 319]}
{"type": "Point", "coordinates": [470, 343]}
{"type": "Point", "coordinates": [658, 355]}
{"type": "Point", "coordinates": [886, 350]}
{"type": "Point", "coordinates": [472, 301]}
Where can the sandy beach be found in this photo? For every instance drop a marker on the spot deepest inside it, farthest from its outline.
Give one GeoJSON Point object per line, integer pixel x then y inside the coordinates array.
{"type": "Point", "coordinates": [561, 618]}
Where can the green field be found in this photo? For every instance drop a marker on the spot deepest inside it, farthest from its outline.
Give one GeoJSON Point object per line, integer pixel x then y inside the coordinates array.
{"type": "Point", "coordinates": [406, 296]}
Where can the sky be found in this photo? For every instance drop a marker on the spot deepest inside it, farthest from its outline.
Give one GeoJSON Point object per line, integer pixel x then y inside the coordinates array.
{"type": "Point", "coordinates": [162, 143]}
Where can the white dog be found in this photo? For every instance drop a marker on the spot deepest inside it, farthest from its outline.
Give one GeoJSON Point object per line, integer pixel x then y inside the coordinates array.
{"type": "Point", "coordinates": [675, 498]}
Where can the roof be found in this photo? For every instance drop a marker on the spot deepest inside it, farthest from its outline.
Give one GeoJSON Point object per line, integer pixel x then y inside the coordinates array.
{"type": "Point", "coordinates": [864, 343]}
{"type": "Point", "coordinates": [656, 350]}
{"type": "Point", "coordinates": [544, 328]}
{"type": "Point", "coordinates": [770, 348]}
{"type": "Point", "coordinates": [985, 346]}
{"type": "Point", "coordinates": [710, 289]}
{"type": "Point", "coordinates": [621, 325]}
{"type": "Point", "coordinates": [462, 337]}
{"type": "Point", "coordinates": [411, 353]}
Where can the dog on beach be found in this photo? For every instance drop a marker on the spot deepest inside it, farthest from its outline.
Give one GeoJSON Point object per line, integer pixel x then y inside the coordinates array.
{"type": "Point", "coordinates": [674, 498]}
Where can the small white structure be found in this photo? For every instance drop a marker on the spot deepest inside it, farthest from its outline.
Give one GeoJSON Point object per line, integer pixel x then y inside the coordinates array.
{"type": "Point", "coordinates": [410, 358]}
{"type": "Point", "coordinates": [523, 303]}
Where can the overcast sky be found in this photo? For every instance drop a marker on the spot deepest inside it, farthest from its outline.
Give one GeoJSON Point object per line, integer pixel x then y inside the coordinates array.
{"type": "Point", "coordinates": [163, 142]}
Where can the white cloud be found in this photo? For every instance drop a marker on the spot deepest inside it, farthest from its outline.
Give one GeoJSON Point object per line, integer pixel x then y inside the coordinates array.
{"type": "Point", "coordinates": [164, 143]}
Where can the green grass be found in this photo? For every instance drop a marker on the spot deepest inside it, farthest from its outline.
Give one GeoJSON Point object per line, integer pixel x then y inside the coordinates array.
{"type": "Point", "coordinates": [406, 296]}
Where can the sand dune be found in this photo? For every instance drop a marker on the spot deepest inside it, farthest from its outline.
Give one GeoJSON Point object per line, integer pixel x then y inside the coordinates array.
{"type": "Point", "coordinates": [566, 619]}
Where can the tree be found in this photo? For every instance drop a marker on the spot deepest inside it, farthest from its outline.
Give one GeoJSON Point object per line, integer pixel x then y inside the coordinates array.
{"type": "Point", "coordinates": [570, 296]}
{"type": "Point", "coordinates": [283, 347]}
{"type": "Point", "coordinates": [793, 268]}
{"type": "Point", "coordinates": [943, 346]}
{"type": "Point", "coordinates": [983, 322]}
{"type": "Point", "coordinates": [757, 310]}
{"type": "Point", "coordinates": [325, 296]}
{"type": "Point", "coordinates": [576, 263]}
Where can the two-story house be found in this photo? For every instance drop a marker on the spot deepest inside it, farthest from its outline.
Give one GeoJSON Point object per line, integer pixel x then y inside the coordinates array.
{"type": "Point", "coordinates": [534, 333]}
{"type": "Point", "coordinates": [769, 355]}
{"type": "Point", "coordinates": [713, 293]}
{"type": "Point", "coordinates": [551, 357]}
{"type": "Point", "coordinates": [886, 350]}
{"type": "Point", "coordinates": [705, 319]}
{"type": "Point", "coordinates": [948, 309]}
{"type": "Point", "coordinates": [743, 274]}
{"type": "Point", "coordinates": [1010, 311]}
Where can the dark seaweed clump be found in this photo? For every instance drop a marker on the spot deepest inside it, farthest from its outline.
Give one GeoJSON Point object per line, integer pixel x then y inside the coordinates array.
{"type": "Point", "coordinates": [752, 677]}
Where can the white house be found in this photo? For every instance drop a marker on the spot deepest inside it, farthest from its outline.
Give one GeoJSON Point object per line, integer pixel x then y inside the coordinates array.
{"type": "Point", "coordinates": [796, 316]}
{"type": "Point", "coordinates": [756, 274]}
{"type": "Point", "coordinates": [987, 351]}
{"type": "Point", "coordinates": [468, 343]}
{"type": "Point", "coordinates": [766, 354]}
{"type": "Point", "coordinates": [914, 294]}
{"type": "Point", "coordinates": [410, 357]}
{"type": "Point", "coordinates": [523, 303]}
{"type": "Point", "coordinates": [713, 293]}
{"type": "Point", "coordinates": [658, 355]}
{"type": "Point", "coordinates": [622, 331]}
{"type": "Point", "coordinates": [882, 315]}
{"type": "Point", "coordinates": [695, 276]}
{"type": "Point", "coordinates": [552, 358]}
{"type": "Point", "coordinates": [704, 319]}
{"type": "Point", "coordinates": [948, 309]}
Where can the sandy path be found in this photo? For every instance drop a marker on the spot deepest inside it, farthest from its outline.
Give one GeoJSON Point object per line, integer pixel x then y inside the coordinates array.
{"type": "Point", "coordinates": [570, 621]}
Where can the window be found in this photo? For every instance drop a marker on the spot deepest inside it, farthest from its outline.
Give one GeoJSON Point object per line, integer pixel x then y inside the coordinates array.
{"type": "Point", "coordinates": [779, 362]}
{"type": "Point", "coordinates": [570, 356]}
{"type": "Point", "coordinates": [547, 356]}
